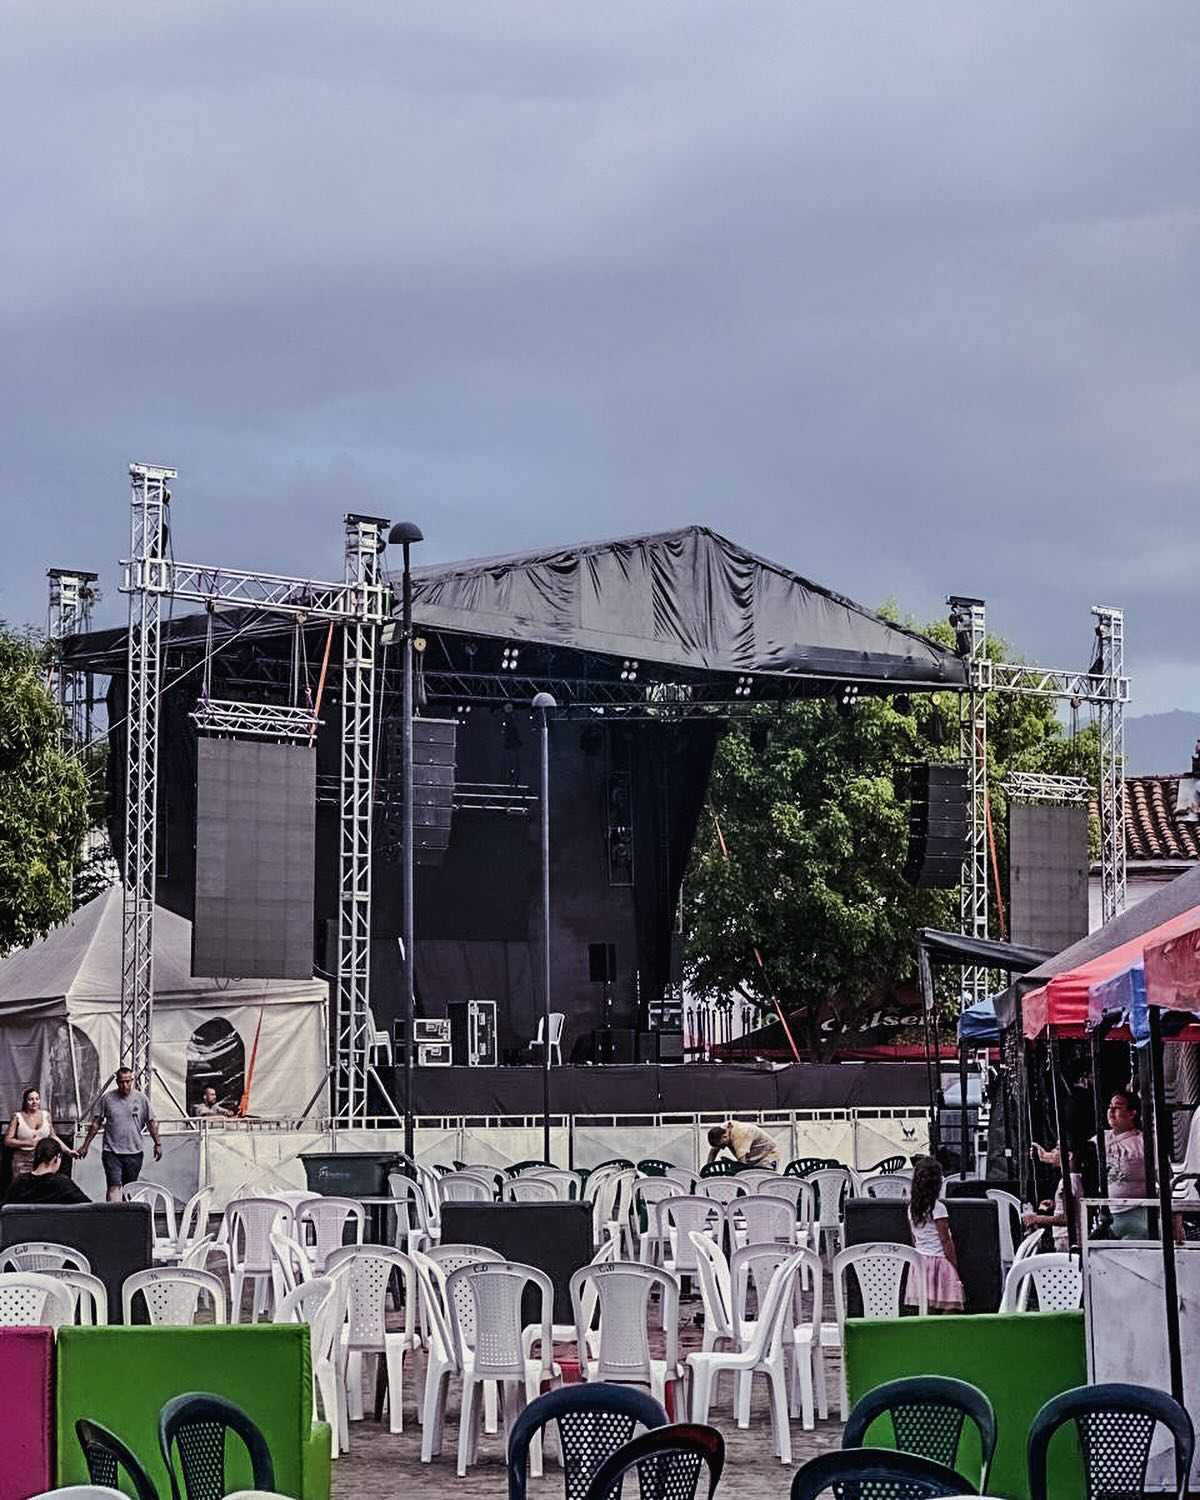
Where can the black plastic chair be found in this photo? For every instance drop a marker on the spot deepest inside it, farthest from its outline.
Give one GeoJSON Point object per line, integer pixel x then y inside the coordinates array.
{"type": "Point", "coordinates": [595, 1420]}
{"type": "Point", "coordinates": [1114, 1424]}
{"type": "Point", "coordinates": [613, 1161]}
{"type": "Point", "coordinates": [928, 1413]}
{"type": "Point", "coordinates": [669, 1462]}
{"type": "Point", "coordinates": [196, 1422]}
{"type": "Point", "coordinates": [105, 1455]}
{"type": "Point", "coordinates": [653, 1167]}
{"type": "Point", "coordinates": [724, 1166]}
{"type": "Point", "coordinates": [889, 1164]}
{"type": "Point", "coordinates": [876, 1473]}
{"type": "Point", "coordinates": [520, 1166]}
{"type": "Point", "coordinates": [801, 1166]}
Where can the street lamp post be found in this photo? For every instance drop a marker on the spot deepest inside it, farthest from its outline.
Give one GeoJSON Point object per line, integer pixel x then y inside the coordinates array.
{"type": "Point", "coordinates": [545, 702]}
{"type": "Point", "coordinates": [407, 532]}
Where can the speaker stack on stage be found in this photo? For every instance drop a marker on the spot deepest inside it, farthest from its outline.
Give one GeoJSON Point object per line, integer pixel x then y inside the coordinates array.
{"type": "Point", "coordinates": [433, 787]}
{"type": "Point", "coordinates": [937, 825]}
{"type": "Point", "coordinates": [431, 1041]}
{"type": "Point", "coordinates": [473, 1034]}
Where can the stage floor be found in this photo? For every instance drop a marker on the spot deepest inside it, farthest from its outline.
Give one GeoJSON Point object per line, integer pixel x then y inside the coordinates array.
{"type": "Point", "coordinates": [683, 1088]}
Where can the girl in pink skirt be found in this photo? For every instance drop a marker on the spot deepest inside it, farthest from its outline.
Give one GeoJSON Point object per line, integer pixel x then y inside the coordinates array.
{"type": "Point", "coordinates": [932, 1240]}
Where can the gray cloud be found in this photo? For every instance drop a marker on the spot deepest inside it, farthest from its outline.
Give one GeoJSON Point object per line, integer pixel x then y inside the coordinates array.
{"type": "Point", "coordinates": [903, 296]}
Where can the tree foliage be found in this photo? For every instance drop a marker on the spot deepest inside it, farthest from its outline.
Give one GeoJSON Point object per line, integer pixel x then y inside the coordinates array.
{"type": "Point", "coordinates": [43, 800]}
{"type": "Point", "coordinates": [802, 842]}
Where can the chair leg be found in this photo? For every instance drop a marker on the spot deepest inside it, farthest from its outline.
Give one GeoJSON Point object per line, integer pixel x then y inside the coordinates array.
{"type": "Point", "coordinates": [779, 1411]}
{"type": "Point", "coordinates": [354, 1385]}
{"type": "Point", "coordinates": [437, 1378]}
{"type": "Point", "coordinates": [326, 1379]}
{"type": "Point", "coordinates": [822, 1384]}
{"type": "Point", "coordinates": [702, 1382]}
{"type": "Point", "coordinates": [466, 1425]}
{"type": "Point", "coordinates": [491, 1407]}
{"type": "Point", "coordinates": [741, 1401]}
{"type": "Point", "coordinates": [237, 1290]}
{"type": "Point", "coordinates": [394, 1361]}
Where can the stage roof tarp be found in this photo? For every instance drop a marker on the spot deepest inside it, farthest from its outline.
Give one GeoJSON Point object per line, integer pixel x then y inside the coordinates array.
{"type": "Point", "coordinates": [958, 948]}
{"type": "Point", "coordinates": [1176, 897]}
{"type": "Point", "coordinates": [687, 598]}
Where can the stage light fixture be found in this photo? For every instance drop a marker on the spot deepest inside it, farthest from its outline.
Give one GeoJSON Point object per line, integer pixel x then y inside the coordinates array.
{"type": "Point", "coordinates": [743, 687]}
{"type": "Point", "coordinates": [508, 658]}
{"type": "Point", "coordinates": [629, 671]}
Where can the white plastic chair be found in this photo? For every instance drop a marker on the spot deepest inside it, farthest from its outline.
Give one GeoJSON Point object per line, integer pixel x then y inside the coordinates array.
{"type": "Point", "coordinates": [415, 1226]}
{"type": "Point", "coordinates": [529, 1190]}
{"type": "Point", "coordinates": [1028, 1246]}
{"type": "Point", "coordinates": [370, 1269]}
{"type": "Point", "coordinates": [831, 1186]}
{"type": "Point", "coordinates": [622, 1355]}
{"type": "Point", "coordinates": [89, 1295]}
{"type": "Point", "coordinates": [888, 1185]}
{"type": "Point", "coordinates": [647, 1193]}
{"type": "Point", "coordinates": [80, 1492]}
{"type": "Point", "coordinates": [879, 1268]}
{"type": "Point", "coordinates": [1056, 1277]}
{"type": "Point", "coordinates": [315, 1302]}
{"type": "Point", "coordinates": [1006, 1205]}
{"type": "Point", "coordinates": [196, 1258]}
{"type": "Point", "coordinates": [161, 1201]}
{"type": "Point", "coordinates": [763, 1354]}
{"type": "Point", "coordinates": [759, 1179]}
{"type": "Point", "coordinates": [193, 1225]}
{"type": "Point", "coordinates": [446, 1260]}
{"type": "Point", "coordinates": [497, 1353]}
{"type": "Point", "coordinates": [557, 1019]}
{"type": "Point", "coordinates": [172, 1295]}
{"type": "Point", "coordinates": [465, 1187]}
{"type": "Point", "coordinates": [292, 1264]}
{"type": "Point", "coordinates": [28, 1299]}
{"type": "Point", "coordinates": [759, 1220]}
{"type": "Point", "coordinates": [249, 1223]}
{"type": "Point", "coordinates": [43, 1255]}
{"type": "Point", "coordinates": [716, 1293]}
{"type": "Point", "coordinates": [380, 1042]}
{"type": "Point", "coordinates": [442, 1362]}
{"type": "Point", "coordinates": [720, 1189]}
{"type": "Point", "coordinates": [565, 1182]}
{"type": "Point", "coordinates": [677, 1219]}
{"type": "Point", "coordinates": [327, 1219]}
{"type": "Point", "coordinates": [755, 1265]}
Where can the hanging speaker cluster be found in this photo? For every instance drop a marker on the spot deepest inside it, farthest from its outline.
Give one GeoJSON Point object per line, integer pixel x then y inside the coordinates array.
{"type": "Point", "coordinates": [937, 825]}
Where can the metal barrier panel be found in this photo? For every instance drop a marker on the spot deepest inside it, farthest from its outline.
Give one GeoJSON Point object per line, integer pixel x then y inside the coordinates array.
{"type": "Point", "coordinates": [889, 1133]}
{"type": "Point", "coordinates": [241, 1162]}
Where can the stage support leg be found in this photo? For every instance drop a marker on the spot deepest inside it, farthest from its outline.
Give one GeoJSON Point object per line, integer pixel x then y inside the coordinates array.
{"type": "Point", "coordinates": [1166, 1220]}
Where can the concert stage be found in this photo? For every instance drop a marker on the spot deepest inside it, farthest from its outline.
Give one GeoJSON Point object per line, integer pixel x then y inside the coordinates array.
{"type": "Point", "coordinates": [681, 1088]}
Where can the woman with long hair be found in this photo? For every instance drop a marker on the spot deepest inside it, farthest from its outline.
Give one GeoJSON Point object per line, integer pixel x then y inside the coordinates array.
{"type": "Point", "coordinates": [932, 1240]}
{"type": "Point", "coordinates": [28, 1126]}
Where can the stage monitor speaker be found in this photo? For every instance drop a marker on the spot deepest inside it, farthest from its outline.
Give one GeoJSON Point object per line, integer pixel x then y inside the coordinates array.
{"type": "Point", "coordinates": [937, 825]}
{"type": "Point", "coordinates": [616, 1044]}
{"type": "Point", "coordinates": [975, 1226]}
{"type": "Point", "coordinates": [256, 806]}
{"type": "Point", "coordinates": [1048, 875]}
{"type": "Point", "coordinates": [116, 1239]}
{"type": "Point", "coordinates": [554, 1237]}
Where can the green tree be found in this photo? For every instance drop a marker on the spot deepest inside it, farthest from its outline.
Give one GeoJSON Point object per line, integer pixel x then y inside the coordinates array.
{"type": "Point", "coordinates": [801, 846]}
{"type": "Point", "coordinates": [43, 800]}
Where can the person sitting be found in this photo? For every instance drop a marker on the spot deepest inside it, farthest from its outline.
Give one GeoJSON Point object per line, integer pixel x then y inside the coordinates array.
{"type": "Point", "coordinates": [750, 1145]}
{"type": "Point", "coordinates": [1053, 1214]}
{"type": "Point", "coordinates": [208, 1105]}
{"type": "Point", "coordinates": [44, 1182]}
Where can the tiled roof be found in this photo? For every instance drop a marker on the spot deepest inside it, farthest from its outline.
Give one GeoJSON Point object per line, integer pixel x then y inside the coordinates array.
{"type": "Point", "coordinates": [1151, 830]}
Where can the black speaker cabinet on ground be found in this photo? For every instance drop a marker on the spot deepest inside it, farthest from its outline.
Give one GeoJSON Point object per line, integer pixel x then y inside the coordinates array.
{"type": "Point", "coordinates": [554, 1237]}
{"type": "Point", "coordinates": [616, 1044]}
{"type": "Point", "coordinates": [974, 1224]}
{"type": "Point", "coordinates": [117, 1238]}
{"type": "Point", "coordinates": [937, 825]}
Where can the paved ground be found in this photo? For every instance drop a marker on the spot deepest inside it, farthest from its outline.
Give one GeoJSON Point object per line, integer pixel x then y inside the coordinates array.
{"type": "Point", "coordinates": [380, 1466]}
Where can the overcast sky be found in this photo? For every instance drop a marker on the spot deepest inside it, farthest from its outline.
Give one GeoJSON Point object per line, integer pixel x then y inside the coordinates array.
{"type": "Point", "coordinates": [901, 295]}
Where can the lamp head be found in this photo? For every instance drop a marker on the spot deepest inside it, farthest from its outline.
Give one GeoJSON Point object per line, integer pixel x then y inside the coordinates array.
{"type": "Point", "coordinates": [544, 701]}
{"type": "Point", "coordinates": [405, 531]}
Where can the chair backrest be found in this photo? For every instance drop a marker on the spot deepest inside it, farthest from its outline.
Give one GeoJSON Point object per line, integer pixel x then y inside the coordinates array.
{"type": "Point", "coordinates": [196, 1424]}
{"type": "Point", "coordinates": [927, 1414]}
{"type": "Point", "coordinates": [1115, 1427]}
{"type": "Point", "coordinates": [43, 1255]}
{"type": "Point", "coordinates": [723, 1166]}
{"type": "Point", "coordinates": [445, 1260]}
{"type": "Point", "coordinates": [653, 1166]}
{"type": "Point", "coordinates": [686, 1215]}
{"type": "Point", "coordinates": [759, 1179]}
{"type": "Point", "coordinates": [161, 1201]}
{"type": "Point", "coordinates": [775, 1305]}
{"type": "Point", "coordinates": [557, 1021]}
{"type": "Point", "coordinates": [317, 1304]}
{"type": "Point", "coordinates": [193, 1221]}
{"type": "Point", "coordinates": [465, 1187]}
{"type": "Point", "coordinates": [565, 1183]}
{"type": "Point", "coordinates": [651, 1190]}
{"type": "Point", "coordinates": [879, 1268]}
{"type": "Point", "coordinates": [29, 1299]}
{"type": "Point", "coordinates": [497, 1290]}
{"type": "Point", "coordinates": [801, 1166]}
{"type": "Point", "coordinates": [761, 1219]}
{"type": "Point", "coordinates": [250, 1222]}
{"type": "Point", "coordinates": [797, 1190]}
{"type": "Point", "coordinates": [888, 1187]}
{"type": "Point", "coordinates": [888, 1165]}
{"type": "Point", "coordinates": [755, 1265]}
{"type": "Point", "coordinates": [89, 1295]}
{"type": "Point", "coordinates": [623, 1292]}
{"type": "Point", "coordinates": [685, 1178]}
{"type": "Point", "coordinates": [831, 1185]}
{"type": "Point", "coordinates": [369, 1270]}
{"type": "Point", "coordinates": [716, 1291]}
{"type": "Point", "coordinates": [594, 1421]}
{"type": "Point", "coordinates": [195, 1258]}
{"type": "Point", "coordinates": [669, 1462]}
{"type": "Point", "coordinates": [172, 1295]}
{"type": "Point", "coordinates": [327, 1219]}
{"type": "Point", "coordinates": [106, 1455]}
{"type": "Point", "coordinates": [295, 1265]}
{"type": "Point", "coordinates": [723, 1189]}
{"type": "Point", "coordinates": [877, 1472]}
{"type": "Point", "coordinates": [1057, 1279]}
{"type": "Point", "coordinates": [1030, 1245]}
{"type": "Point", "coordinates": [1007, 1204]}
{"type": "Point", "coordinates": [530, 1190]}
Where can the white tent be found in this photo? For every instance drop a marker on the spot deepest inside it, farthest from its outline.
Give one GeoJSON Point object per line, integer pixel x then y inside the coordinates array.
{"type": "Point", "coordinates": [60, 1009]}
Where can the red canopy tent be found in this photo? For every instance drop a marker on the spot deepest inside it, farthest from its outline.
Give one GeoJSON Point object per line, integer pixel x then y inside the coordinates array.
{"type": "Point", "coordinates": [1062, 1003]}
{"type": "Point", "coordinates": [1173, 971]}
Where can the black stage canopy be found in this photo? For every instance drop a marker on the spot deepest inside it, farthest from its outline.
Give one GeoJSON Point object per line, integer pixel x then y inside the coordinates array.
{"type": "Point", "coordinates": [958, 948]}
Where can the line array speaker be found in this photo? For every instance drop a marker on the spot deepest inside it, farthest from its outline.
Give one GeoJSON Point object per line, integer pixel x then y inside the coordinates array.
{"type": "Point", "coordinates": [937, 825]}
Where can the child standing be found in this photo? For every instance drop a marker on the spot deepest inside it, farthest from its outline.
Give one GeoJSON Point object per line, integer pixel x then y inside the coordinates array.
{"type": "Point", "coordinates": [932, 1240]}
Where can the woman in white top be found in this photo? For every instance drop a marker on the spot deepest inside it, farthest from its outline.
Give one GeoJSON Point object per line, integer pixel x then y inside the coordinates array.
{"type": "Point", "coordinates": [27, 1127]}
{"type": "Point", "coordinates": [932, 1240]}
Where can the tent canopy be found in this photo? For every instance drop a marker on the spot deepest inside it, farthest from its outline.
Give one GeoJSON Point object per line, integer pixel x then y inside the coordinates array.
{"type": "Point", "coordinates": [1172, 977]}
{"type": "Point", "coordinates": [1123, 994]}
{"type": "Point", "coordinates": [686, 598]}
{"type": "Point", "coordinates": [977, 1024]}
{"type": "Point", "coordinates": [957, 948]}
{"type": "Point", "coordinates": [60, 1007]}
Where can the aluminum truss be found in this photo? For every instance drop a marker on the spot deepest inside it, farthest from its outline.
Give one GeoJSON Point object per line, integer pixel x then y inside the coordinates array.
{"type": "Point", "coordinates": [146, 580]}
{"type": "Point", "coordinates": [1110, 633]}
{"type": "Point", "coordinates": [360, 603]}
{"type": "Point", "coordinates": [969, 618]}
{"type": "Point", "coordinates": [72, 595]}
{"type": "Point", "coordinates": [1039, 786]}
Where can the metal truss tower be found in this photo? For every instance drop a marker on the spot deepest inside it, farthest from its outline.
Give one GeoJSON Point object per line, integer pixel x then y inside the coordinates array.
{"type": "Point", "coordinates": [1110, 633]}
{"type": "Point", "coordinates": [72, 595]}
{"type": "Point", "coordinates": [145, 584]}
{"type": "Point", "coordinates": [969, 618]}
{"type": "Point", "coordinates": [360, 604]}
